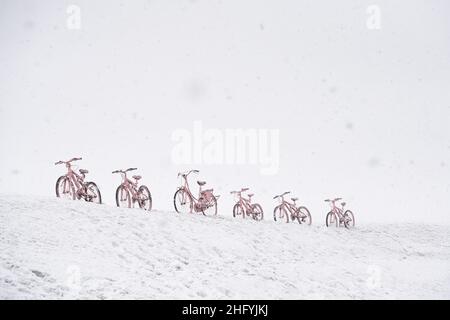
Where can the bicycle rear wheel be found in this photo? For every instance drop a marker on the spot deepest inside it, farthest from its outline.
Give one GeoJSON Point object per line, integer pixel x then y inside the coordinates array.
{"type": "Point", "coordinates": [304, 216]}
{"type": "Point", "coordinates": [145, 198]}
{"type": "Point", "coordinates": [332, 219]}
{"type": "Point", "coordinates": [64, 188]}
{"type": "Point", "coordinates": [123, 197]}
{"type": "Point", "coordinates": [258, 213]}
{"type": "Point", "coordinates": [280, 214]}
{"type": "Point", "coordinates": [211, 207]}
{"type": "Point", "coordinates": [349, 219]}
{"type": "Point", "coordinates": [93, 193]}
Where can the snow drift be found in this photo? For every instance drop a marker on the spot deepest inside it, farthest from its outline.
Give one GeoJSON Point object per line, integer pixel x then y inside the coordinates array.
{"type": "Point", "coordinates": [51, 248]}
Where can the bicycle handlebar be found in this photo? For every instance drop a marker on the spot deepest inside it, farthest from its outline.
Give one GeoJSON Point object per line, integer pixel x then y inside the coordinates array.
{"type": "Point", "coordinates": [73, 159]}
{"type": "Point", "coordinates": [187, 173]}
{"type": "Point", "coordinates": [124, 171]}
{"type": "Point", "coordinates": [281, 195]}
{"type": "Point", "coordinates": [334, 200]}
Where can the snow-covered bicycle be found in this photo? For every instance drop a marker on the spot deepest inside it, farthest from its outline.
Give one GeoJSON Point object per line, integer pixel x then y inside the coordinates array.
{"type": "Point", "coordinates": [72, 185]}
{"type": "Point", "coordinates": [289, 210]}
{"type": "Point", "coordinates": [339, 216]}
{"type": "Point", "coordinates": [128, 193]}
{"type": "Point", "coordinates": [245, 207]}
{"type": "Point", "coordinates": [185, 201]}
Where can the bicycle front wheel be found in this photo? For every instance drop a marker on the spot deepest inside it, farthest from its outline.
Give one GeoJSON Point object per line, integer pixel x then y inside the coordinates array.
{"type": "Point", "coordinates": [93, 193]}
{"type": "Point", "coordinates": [182, 201]}
{"type": "Point", "coordinates": [238, 210]}
{"type": "Point", "coordinates": [123, 197]}
{"type": "Point", "coordinates": [349, 219]}
{"type": "Point", "coordinates": [280, 214]}
{"type": "Point", "coordinates": [145, 198]}
{"type": "Point", "coordinates": [64, 188]}
{"type": "Point", "coordinates": [258, 213]}
{"type": "Point", "coordinates": [332, 219]}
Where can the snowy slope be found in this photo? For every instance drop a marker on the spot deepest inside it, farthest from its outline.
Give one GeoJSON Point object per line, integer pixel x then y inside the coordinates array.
{"type": "Point", "coordinates": [52, 248]}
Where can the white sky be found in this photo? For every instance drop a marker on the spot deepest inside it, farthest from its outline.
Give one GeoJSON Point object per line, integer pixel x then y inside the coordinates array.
{"type": "Point", "coordinates": [363, 114]}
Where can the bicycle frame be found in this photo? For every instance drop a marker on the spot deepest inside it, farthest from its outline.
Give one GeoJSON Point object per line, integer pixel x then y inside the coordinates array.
{"type": "Point", "coordinates": [292, 210]}
{"type": "Point", "coordinates": [291, 207]}
{"type": "Point", "coordinates": [129, 190]}
{"type": "Point", "coordinates": [336, 210]}
{"type": "Point", "coordinates": [75, 179]}
{"type": "Point", "coordinates": [185, 186]}
{"type": "Point", "coordinates": [204, 196]}
{"type": "Point", "coordinates": [245, 203]}
{"type": "Point", "coordinates": [129, 185]}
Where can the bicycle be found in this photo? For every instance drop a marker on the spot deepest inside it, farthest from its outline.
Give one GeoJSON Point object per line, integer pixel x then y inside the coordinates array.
{"type": "Point", "coordinates": [338, 216]}
{"type": "Point", "coordinates": [245, 207]}
{"type": "Point", "coordinates": [72, 185]}
{"type": "Point", "coordinates": [286, 210]}
{"type": "Point", "coordinates": [128, 193]}
{"type": "Point", "coordinates": [184, 200]}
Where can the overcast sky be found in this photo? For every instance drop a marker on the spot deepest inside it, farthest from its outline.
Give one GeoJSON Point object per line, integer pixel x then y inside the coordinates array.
{"type": "Point", "coordinates": [362, 112]}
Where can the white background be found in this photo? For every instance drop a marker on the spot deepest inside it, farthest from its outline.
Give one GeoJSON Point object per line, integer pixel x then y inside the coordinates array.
{"type": "Point", "coordinates": [363, 114]}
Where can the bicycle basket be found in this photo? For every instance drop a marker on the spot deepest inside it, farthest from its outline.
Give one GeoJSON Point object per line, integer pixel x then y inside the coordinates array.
{"type": "Point", "coordinates": [207, 195]}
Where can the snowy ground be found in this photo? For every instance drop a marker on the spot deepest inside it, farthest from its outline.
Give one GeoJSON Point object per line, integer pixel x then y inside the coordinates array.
{"type": "Point", "coordinates": [52, 248]}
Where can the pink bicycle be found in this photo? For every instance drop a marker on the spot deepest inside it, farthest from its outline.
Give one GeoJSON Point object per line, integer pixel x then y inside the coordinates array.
{"type": "Point", "coordinates": [184, 200]}
{"type": "Point", "coordinates": [128, 193]}
{"type": "Point", "coordinates": [286, 210]}
{"type": "Point", "coordinates": [337, 216]}
{"type": "Point", "coordinates": [72, 185]}
{"type": "Point", "coordinates": [245, 207]}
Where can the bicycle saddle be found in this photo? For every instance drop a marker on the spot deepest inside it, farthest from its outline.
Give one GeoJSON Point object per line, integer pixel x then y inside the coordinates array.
{"type": "Point", "coordinates": [250, 195]}
{"type": "Point", "coordinates": [294, 199]}
{"type": "Point", "coordinates": [137, 177]}
{"type": "Point", "coordinates": [201, 183]}
{"type": "Point", "coordinates": [83, 171]}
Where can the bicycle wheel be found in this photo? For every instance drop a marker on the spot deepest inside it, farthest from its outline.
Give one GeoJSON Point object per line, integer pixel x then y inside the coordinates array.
{"type": "Point", "coordinates": [145, 198]}
{"type": "Point", "coordinates": [64, 188]}
{"type": "Point", "coordinates": [332, 219]}
{"type": "Point", "coordinates": [93, 193]}
{"type": "Point", "coordinates": [280, 214]}
{"type": "Point", "coordinates": [123, 197]}
{"type": "Point", "coordinates": [303, 216]}
{"type": "Point", "coordinates": [238, 210]}
{"type": "Point", "coordinates": [349, 219]}
{"type": "Point", "coordinates": [258, 213]}
{"type": "Point", "coordinates": [182, 201]}
{"type": "Point", "coordinates": [210, 208]}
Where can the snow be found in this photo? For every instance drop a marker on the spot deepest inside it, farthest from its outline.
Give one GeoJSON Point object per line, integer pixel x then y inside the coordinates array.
{"type": "Point", "coordinates": [58, 249]}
